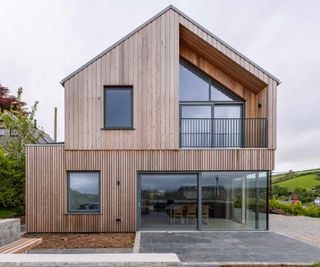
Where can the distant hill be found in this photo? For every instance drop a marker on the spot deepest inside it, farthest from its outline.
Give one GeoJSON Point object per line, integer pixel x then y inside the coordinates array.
{"type": "Point", "coordinates": [307, 179]}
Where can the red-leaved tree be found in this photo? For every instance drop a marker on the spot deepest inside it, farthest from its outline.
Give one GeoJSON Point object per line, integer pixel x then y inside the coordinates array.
{"type": "Point", "coordinates": [7, 101]}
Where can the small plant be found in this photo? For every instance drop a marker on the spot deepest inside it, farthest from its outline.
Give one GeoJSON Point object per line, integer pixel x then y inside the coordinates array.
{"type": "Point", "coordinates": [297, 209]}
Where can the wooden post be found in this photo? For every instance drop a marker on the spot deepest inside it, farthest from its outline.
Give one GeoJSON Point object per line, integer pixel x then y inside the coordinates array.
{"type": "Point", "coordinates": [55, 125]}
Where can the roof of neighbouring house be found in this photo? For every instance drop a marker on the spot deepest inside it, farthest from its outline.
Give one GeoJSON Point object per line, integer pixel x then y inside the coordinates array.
{"type": "Point", "coordinates": [151, 20]}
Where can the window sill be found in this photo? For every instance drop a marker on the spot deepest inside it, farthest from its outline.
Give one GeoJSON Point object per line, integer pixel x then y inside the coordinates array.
{"type": "Point", "coordinates": [84, 213]}
{"type": "Point", "coordinates": [130, 129]}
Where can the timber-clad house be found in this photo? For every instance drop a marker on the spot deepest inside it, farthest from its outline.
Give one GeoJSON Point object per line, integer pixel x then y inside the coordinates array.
{"type": "Point", "coordinates": [168, 129]}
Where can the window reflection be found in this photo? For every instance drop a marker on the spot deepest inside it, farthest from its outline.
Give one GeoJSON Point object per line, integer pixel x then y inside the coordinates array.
{"type": "Point", "coordinates": [192, 86]}
{"type": "Point", "coordinates": [234, 200]}
{"type": "Point", "coordinates": [83, 191]}
{"type": "Point", "coordinates": [229, 201]}
{"type": "Point", "coordinates": [169, 200]}
{"type": "Point", "coordinates": [118, 107]}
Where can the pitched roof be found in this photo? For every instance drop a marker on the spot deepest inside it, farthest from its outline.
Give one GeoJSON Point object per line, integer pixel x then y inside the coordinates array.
{"type": "Point", "coordinates": [151, 20]}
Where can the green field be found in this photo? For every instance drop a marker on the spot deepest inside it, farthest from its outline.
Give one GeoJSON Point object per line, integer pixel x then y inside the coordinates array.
{"type": "Point", "coordinates": [308, 182]}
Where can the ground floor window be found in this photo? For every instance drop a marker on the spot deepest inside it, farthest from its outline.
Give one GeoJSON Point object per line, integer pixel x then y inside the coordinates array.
{"type": "Point", "coordinates": [203, 201]}
{"type": "Point", "coordinates": [83, 191]}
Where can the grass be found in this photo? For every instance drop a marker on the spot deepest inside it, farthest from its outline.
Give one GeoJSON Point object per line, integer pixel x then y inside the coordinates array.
{"type": "Point", "coordinates": [10, 213]}
{"type": "Point", "coordinates": [308, 182]}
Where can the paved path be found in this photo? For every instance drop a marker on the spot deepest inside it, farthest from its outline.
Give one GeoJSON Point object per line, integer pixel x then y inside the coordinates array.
{"type": "Point", "coordinates": [300, 227]}
{"type": "Point", "coordinates": [218, 247]}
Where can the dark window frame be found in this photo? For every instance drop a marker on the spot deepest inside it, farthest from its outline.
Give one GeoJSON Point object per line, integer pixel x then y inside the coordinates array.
{"type": "Point", "coordinates": [237, 100]}
{"type": "Point", "coordinates": [199, 184]}
{"type": "Point", "coordinates": [4, 131]}
{"type": "Point", "coordinates": [211, 82]}
{"type": "Point", "coordinates": [72, 211]}
{"type": "Point", "coordinates": [12, 133]}
{"type": "Point", "coordinates": [118, 87]}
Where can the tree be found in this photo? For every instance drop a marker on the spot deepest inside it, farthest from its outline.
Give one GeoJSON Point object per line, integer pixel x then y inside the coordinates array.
{"type": "Point", "coordinates": [11, 182]}
{"type": "Point", "coordinates": [8, 101]}
{"type": "Point", "coordinates": [21, 121]}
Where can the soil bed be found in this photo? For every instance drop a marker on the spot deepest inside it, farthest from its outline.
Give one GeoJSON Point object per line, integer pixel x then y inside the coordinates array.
{"type": "Point", "coordinates": [75, 240]}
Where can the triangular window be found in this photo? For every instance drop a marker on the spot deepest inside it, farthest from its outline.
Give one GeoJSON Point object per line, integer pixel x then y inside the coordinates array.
{"type": "Point", "coordinates": [196, 86]}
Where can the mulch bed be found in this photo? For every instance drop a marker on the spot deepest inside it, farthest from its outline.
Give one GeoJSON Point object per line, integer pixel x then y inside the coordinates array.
{"type": "Point", "coordinates": [75, 240]}
{"type": "Point", "coordinates": [278, 211]}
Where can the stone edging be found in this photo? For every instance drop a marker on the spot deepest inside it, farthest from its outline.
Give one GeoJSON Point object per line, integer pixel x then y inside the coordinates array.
{"type": "Point", "coordinates": [136, 245]}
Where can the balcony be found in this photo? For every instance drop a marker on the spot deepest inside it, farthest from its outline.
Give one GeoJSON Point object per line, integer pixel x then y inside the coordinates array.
{"type": "Point", "coordinates": [224, 133]}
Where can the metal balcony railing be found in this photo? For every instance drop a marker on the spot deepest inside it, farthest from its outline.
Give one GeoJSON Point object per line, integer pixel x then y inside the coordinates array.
{"type": "Point", "coordinates": [229, 132]}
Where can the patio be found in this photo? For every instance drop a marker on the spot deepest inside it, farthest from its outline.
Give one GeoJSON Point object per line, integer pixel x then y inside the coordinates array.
{"type": "Point", "coordinates": [212, 248]}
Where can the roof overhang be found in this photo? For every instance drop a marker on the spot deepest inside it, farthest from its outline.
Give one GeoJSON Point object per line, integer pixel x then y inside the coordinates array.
{"type": "Point", "coordinates": [225, 64]}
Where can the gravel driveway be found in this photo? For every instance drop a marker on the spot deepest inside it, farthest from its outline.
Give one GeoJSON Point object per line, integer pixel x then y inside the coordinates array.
{"type": "Point", "coordinates": [299, 227]}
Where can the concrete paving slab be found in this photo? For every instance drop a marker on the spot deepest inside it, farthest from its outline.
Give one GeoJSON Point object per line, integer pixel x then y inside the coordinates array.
{"type": "Point", "coordinates": [85, 260]}
{"type": "Point", "coordinates": [215, 247]}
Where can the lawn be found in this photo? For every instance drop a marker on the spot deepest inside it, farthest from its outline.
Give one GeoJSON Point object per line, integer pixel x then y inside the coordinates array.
{"type": "Point", "coordinates": [10, 213]}
{"type": "Point", "coordinates": [305, 181]}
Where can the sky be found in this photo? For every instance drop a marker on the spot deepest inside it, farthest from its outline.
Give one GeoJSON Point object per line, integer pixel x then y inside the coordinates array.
{"type": "Point", "coordinates": [43, 41]}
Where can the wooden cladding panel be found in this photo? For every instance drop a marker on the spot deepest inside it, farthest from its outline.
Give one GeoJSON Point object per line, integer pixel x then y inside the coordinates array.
{"type": "Point", "coordinates": [149, 60]}
{"type": "Point", "coordinates": [46, 182]}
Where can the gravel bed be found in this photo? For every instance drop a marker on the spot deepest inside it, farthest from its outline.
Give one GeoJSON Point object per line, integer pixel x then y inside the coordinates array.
{"type": "Point", "coordinates": [304, 228]}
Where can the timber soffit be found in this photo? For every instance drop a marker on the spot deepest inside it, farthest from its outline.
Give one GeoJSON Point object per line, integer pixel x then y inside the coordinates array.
{"type": "Point", "coordinates": [152, 19]}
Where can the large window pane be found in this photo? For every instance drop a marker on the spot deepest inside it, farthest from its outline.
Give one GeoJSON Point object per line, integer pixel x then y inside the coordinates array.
{"type": "Point", "coordinates": [234, 200]}
{"type": "Point", "coordinates": [192, 86]}
{"type": "Point", "coordinates": [118, 107]}
{"type": "Point", "coordinates": [83, 192]}
{"type": "Point", "coordinates": [217, 94]}
{"type": "Point", "coordinates": [257, 198]}
{"type": "Point", "coordinates": [196, 126]}
{"type": "Point", "coordinates": [227, 126]}
{"type": "Point", "coordinates": [168, 201]}
{"type": "Point", "coordinates": [227, 111]}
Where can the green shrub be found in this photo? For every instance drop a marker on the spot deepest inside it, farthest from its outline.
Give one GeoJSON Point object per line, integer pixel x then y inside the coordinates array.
{"type": "Point", "coordinates": [11, 182]}
{"type": "Point", "coordinates": [278, 191]}
{"type": "Point", "coordinates": [297, 209]}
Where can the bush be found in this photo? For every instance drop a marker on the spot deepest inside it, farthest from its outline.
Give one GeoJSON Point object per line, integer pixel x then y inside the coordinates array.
{"type": "Point", "coordinates": [278, 191]}
{"type": "Point", "coordinates": [11, 182]}
{"type": "Point", "coordinates": [297, 209]}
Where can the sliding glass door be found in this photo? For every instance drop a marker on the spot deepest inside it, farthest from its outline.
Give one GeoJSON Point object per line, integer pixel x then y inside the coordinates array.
{"type": "Point", "coordinates": [203, 201]}
{"type": "Point", "coordinates": [168, 201]}
{"type": "Point", "coordinates": [234, 200]}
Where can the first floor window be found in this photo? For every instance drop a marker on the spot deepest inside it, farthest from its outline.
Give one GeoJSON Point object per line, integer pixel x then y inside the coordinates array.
{"type": "Point", "coordinates": [83, 192]}
{"type": "Point", "coordinates": [118, 107]}
{"type": "Point", "coordinates": [2, 131]}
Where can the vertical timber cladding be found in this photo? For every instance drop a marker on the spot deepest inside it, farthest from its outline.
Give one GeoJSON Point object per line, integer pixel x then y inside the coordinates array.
{"type": "Point", "coordinates": [46, 182]}
{"type": "Point", "coordinates": [149, 60]}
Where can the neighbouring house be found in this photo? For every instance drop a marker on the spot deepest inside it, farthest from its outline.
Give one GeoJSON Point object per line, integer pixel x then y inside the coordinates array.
{"type": "Point", "coordinates": [168, 129]}
{"type": "Point", "coordinates": [42, 137]}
